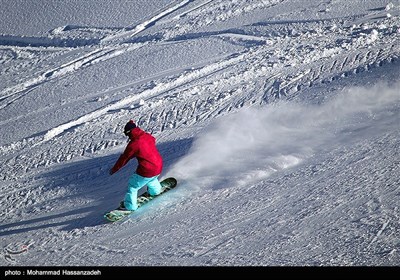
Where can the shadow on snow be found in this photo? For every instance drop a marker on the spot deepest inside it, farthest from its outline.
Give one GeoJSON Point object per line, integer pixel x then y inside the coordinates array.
{"type": "Point", "coordinates": [90, 187]}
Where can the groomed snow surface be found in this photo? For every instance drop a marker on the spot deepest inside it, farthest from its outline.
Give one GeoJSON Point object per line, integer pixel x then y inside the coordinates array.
{"type": "Point", "coordinates": [280, 119]}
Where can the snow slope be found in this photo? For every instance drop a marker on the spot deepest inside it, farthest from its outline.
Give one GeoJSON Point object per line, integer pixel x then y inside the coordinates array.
{"type": "Point", "coordinates": [279, 118]}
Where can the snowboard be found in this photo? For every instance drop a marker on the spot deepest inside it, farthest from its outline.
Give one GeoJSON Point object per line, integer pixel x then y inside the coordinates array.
{"type": "Point", "coordinates": [117, 215]}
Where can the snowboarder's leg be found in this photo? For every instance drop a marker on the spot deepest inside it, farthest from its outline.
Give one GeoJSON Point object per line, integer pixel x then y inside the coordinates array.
{"type": "Point", "coordinates": [154, 186]}
{"type": "Point", "coordinates": [135, 183]}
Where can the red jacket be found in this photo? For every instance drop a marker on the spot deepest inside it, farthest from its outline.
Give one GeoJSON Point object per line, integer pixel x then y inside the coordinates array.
{"type": "Point", "coordinates": [141, 146]}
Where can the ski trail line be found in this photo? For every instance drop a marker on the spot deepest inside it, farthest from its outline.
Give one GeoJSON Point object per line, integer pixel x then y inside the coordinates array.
{"type": "Point", "coordinates": [139, 28]}
{"type": "Point", "coordinates": [185, 78]}
{"type": "Point", "coordinates": [97, 55]}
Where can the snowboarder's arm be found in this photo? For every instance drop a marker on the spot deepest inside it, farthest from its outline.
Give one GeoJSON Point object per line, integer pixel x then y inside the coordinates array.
{"type": "Point", "coordinates": [128, 154]}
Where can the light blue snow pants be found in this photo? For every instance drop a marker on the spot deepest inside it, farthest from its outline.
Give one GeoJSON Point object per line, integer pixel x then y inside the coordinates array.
{"type": "Point", "coordinates": [135, 183]}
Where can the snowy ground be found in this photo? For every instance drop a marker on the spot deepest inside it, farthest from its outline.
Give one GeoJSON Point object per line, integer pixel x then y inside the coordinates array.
{"type": "Point", "coordinates": [279, 118]}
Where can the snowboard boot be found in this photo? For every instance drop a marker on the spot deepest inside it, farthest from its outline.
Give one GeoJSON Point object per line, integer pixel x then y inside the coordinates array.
{"type": "Point", "coordinates": [122, 206]}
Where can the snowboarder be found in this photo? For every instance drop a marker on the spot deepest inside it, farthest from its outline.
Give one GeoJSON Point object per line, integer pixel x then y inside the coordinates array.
{"type": "Point", "coordinates": [142, 146]}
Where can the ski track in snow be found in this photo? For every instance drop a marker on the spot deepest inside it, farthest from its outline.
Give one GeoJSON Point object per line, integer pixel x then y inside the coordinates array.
{"type": "Point", "coordinates": [264, 62]}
